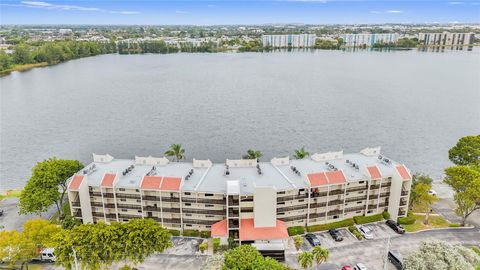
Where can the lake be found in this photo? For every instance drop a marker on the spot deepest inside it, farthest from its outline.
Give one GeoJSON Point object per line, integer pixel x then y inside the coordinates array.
{"type": "Point", "coordinates": [414, 104]}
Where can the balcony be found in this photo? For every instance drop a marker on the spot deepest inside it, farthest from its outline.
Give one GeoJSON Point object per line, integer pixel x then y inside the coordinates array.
{"type": "Point", "coordinates": [199, 221]}
{"type": "Point", "coordinates": [232, 202]}
{"type": "Point", "coordinates": [386, 184]}
{"type": "Point", "coordinates": [233, 224]}
{"type": "Point", "coordinates": [401, 212]}
{"type": "Point", "coordinates": [292, 197]}
{"type": "Point", "coordinates": [383, 204]}
{"type": "Point", "coordinates": [96, 204]}
{"type": "Point", "coordinates": [335, 212]}
{"type": "Point", "coordinates": [127, 196]}
{"type": "Point", "coordinates": [125, 206]}
{"type": "Point", "coordinates": [151, 198]}
{"type": "Point", "coordinates": [354, 209]}
{"type": "Point", "coordinates": [372, 206]}
{"type": "Point", "coordinates": [318, 194]}
{"type": "Point", "coordinates": [78, 213]}
{"type": "Point", "coordinates": [354, 199]}
{"type": "Point", "coordinates": [203, 200]}
{"type": "Point", "coordinates": [353, 189]}
{"type": "Point", "coordinates": [204, 211]}
{"type": "Point", "coordinates": [170, 220]}
{"type": "Point", "coordinates": [404, 193]}
{"type": "Point", "coordinates": [287, 219]}
{"type": "Point", "coordinates": [120, 216]}
{"type": "Point", "coordinates": [317, 205]}
{"type": "Point", "coordinates": [336, 192]}
{"type": "Point", "coordinates": [76, 204]}
{"type": "Point", "coordinates": [291, 208]}
{"type": "Point", "coordinates": [335, 202]}
{"type": "Point", "coordinates": [374, 187]}
{"type": "Point", "coordinates": [232, 213]}
{"type": "Point", "coordinates": [170, 199]}
{"type": "Point", "coordinates": [386, 194]}
{"type": "Point", "coordinates": [317, 215]}
{"type": "Point", "coordinates": [403, 202]}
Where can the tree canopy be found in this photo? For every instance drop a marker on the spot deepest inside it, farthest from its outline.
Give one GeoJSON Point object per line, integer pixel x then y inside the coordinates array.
{"type": "Point", "coordinates": [305, 259]}
{"type": "Point", "coordinates": [47, 185]}
{"type": "Point", "coordinates": [421, 184]}
{"type": "Point", "coordinates": [301, 153]}
{"type": "Point", "coordinates": [176, 152]}
{"type": "Point", "coordinates": [253, 154]}
{"type": "Point", "coordinates": [441, 255]}
{"type": "Point", "coordinates": [466, 151]}
{"type": "Point", "coordinates": [99, 245]}
{"type": "Point", "coordinates": [246, 257]}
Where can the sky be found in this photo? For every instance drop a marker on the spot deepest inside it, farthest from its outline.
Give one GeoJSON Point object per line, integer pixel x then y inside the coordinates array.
{"type": "Point", "coordinates": [158, 12]}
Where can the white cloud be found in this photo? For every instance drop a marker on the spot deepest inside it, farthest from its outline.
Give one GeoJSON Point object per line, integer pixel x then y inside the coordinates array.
{"type": "Point", "coordinates": [455, 3]}
{"type": "Point", "coordinates": [49, 6]}
{"type": "Point", "coordinates": [386, 11]}
{"type": "Point", "coordinates": [182, 12]}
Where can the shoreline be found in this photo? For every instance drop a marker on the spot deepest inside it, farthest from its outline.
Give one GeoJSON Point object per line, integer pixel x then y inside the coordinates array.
{"type": "Point", "coordinates": [25, 67]}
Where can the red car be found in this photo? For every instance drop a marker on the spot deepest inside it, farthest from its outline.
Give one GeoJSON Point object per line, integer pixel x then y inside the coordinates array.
{"type": "Point", "coordinates": [347, 267]}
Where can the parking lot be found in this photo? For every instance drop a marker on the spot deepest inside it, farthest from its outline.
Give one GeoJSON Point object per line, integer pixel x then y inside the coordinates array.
{"type": "Point", "coordinates": [184, 246]}
{"type": "Point", "coordinates": [380, 231]}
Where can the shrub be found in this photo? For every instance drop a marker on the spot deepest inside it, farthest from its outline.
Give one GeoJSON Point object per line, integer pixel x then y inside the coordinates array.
{"type": "Point", "coordinates": [368, 219]}
{"type": "Point", "coordinates": [205, 234]}
{"type": "Point", "coordinates": [216, 244]}
{"type": "Point", "coordinates": [386, 215]}
{"type": "Point", "coordinates": [408, 220]}
{"type": "Point", "coordinates": [192, 233]}
{"type": "Point", "coordinates": [295, 230]}
{"type": "Point", "coordinates": [203, 246]}
{"type": "Point", "coordinates": [298, 241]}
{"type": "Point", "coordinates": [454, 225]}
{"type": "Point", "coordinates": [174, 232]}
{"type": "Point", "coordinates": [328, 226]}
{"type": "Point", "coordinates": [355, 232]}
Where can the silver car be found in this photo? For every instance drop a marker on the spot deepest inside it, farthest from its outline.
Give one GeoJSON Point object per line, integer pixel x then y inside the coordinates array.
{"type": "Point", "coordinates": [360, 266]}
{"type": "Point", "coordinates": [366, 232]}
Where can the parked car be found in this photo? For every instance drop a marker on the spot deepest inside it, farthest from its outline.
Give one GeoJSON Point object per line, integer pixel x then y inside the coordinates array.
{"type": "Point", "coordinates": [360, 266]}
{"type": "Point", "coordinates": [346, 267]}
{"type": "Point", "coordinates": [336, 235]}
{"type": "Point", "coordinates": [396, 259]}
{"type": "Point", "coordinates": [313, 239]}
{"type": "Point", "coordinates": [366, 232]}
{"type": "Point", "coordinates": [395, 226]}
{"type": "Point", "coordinates": [432, 192]}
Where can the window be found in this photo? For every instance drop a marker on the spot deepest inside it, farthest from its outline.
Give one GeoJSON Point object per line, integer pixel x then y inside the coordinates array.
{"type": "Point", "coordinates": [360, 192]}
{"type": "Point", "coordinates": [138, 200]}
{"type": "Point", "coordinates": [123, 200]}
{"type": "Point", "coordinates": [124, 210]}
{"type": "Point", "coordinates": [208, 195]}
{"type": "Point", "coordinates": [208, 205]}
{"type": "Point", "coordinates": [136, 190]}
{"type": "Point", "coordinates": [188, 193]}
{"type": "Point", "coordinates": [361, 182]}
{"type": "Point", "coordinates": [139, 211]}
{"type": "Point", "coordinates": [359, 202]}
{"type": "Point", "coordinates": [335, 217]}
{"type": "Point", "coordinates": [188, 204]}
{"type": "Point", "coordinates": [283, 203]}
{"type": "Point", "coordinates": [125, 220]}
{"type": "Point", "coordinates": [369, 211]}
{"type": "Point", "coordinates": [209, 216]}
{"type": "Point", "coordinates": [188, 215]}
{"type": "Point", "coordinates": [188, 225]}
{"type": "Point", "coordinates": [280, 214]}
{"type": "Point", "coordinates": [121, 189]}
{"type": "Point", "coordinates": [208, 226]}
{"type": "Point", "coordinates": [281, 192]}
{"type": "Point", "coordinates": [301, 200]}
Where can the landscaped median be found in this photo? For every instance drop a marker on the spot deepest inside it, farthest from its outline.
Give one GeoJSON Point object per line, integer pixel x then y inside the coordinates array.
{"type": "Point", "coordinates": [415, 222]}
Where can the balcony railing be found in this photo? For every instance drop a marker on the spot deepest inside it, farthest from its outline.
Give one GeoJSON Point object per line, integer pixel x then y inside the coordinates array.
{"type": "Point", "coordinates": [233, 225]}
{"type": "Point", "coordinates": [386, 194]}
{"type": "Point", "coordinates": [76, 204]}
{"type": "Point", "coordinates": [127, 196]}
{"type": "Point", "coordinates": [293, 197]}
{"type": "Point", "coordinates": [292, 208]}
{"type": "Point", "coordinates": [170, 199]}
{"type": "Point", "coordinates": [287, 219]}
{"type": "Point", "coordinates": [317, 205]}
{"type": "Point", "coordinates": [353, 209]}
{"type": "Point", "coordinates": [128, 216]}
{"type": "Point", "coordinates": [203, 200]}
{"type": "Point", "coordinates": [233, 213]}
{"type": "Point", "coordinates": [335, 212]}
{"type": "Point", "coordinates": [203, 211]}
{"type": "Point", "coordinates": [401, 212]}
{"type": "Point", "coordinates": [404, 192]}
{"type": "Point", "coordinates": [386, 185]}
{"type": "Point", "coordinates": [125, 206]}
{"type": "Point", "coordinates": [353, 189]}
{"type": "Point", "coordinates": [335, 202]}
{"type": "Point", "coordinates": [374, 187]}
{"type": "Point", "coordinates": [336, 192]}
{"type": "Point", "coordinates": [354, 199]}
{"type": "Point", "coordinates": [403, 202]}
{"type": "Point", "coordinates": [170, 220]}
{"type": "Point", "coordinates": [372, 206]}
{"type": "Point", "coordinates": [317, 215]}
{"type": "Point", "coordinates": [383, 204]}
{"type": "Point", "coordinates": [96, 204]}
{"type": "Point", "coordinates": [199, 221]}
{"type": "Point", "coordinates": [77, 213]}
{"type": "Point", "coordinates": [151, 198]}
{"type": "Point", "coordinates": [318, 194]}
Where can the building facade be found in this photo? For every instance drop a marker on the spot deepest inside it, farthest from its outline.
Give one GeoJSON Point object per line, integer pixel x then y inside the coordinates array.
{"type": "Point", "coordinates": [248, 200]}
{"type": "Point", "coordinates": [286, 41]}
{"type": "Point", "coordinates": [446, 39]}
{"type": "Point", "coordinates": [369, 39]}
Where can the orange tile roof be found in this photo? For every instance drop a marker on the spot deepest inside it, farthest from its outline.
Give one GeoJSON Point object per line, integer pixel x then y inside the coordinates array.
{"type": "Point", "coordinates": [151, 182]}
{"type": "Point", "coordinates": [335, 177]}
{"type": "Point", "coordinates": [248, 232]}
{"type": "Point", "coordinates": [374, 172]}
{"type": "Point", "coordinates": [317, 179]}
{"type": "Point", "coordinates": [403, 172]}
{"type": "Point", "coordinates": [76, 181]}
{"type": "Point", "coordinates": [171, 183]}
{"type": "Point", "coordinates": [108, 179]}
{"type": "Point", "coordinates": [219, 229]}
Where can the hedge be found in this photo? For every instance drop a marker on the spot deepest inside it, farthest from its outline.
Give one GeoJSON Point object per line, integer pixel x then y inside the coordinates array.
{"type": "Point", "coordinates": [216, 244]}
{"type": "Point", "coordinates": [355, 232]}
{"type": "Point", "coordinates": [367, 219]}
{"type": "Point", "coordinates": [205, 234]}
{"type": "Point", "coordinates": [408, 220]}
{"type": "Point", "coordinates": [174, 232]}
{"type": "Point", "coordinates": [193, 233]}
{"type": "Point", "coordinates": [295, 230]}
{"type": "Point", "coordinates": [328, 226]}
{"type": "Point", "coordinates": [386, 215]}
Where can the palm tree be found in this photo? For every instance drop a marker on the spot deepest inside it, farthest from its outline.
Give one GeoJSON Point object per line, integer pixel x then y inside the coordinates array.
{"type": "Point", "coordinates": [305, 259]}
{"type": "Point", "coordinates": [301, 153]}
{"type": "Point", "coordinates": [253, 154]}
{"type": "Point", "coordinates": [176, 152]}
{"type": "Point", "coordinates": [320, 254]}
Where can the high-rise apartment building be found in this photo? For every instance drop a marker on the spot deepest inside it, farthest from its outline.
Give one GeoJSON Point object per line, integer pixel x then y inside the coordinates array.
{"type": "Point", "coordinates": [446, 39]}
{"type": "Point", "coordinates": [285, 41]}
{"type": "Point", "coordinates": [369, 39]}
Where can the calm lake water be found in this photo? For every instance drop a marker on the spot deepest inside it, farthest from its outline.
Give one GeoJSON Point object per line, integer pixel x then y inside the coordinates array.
{"type": "Point", "coordinates": [416, 105]}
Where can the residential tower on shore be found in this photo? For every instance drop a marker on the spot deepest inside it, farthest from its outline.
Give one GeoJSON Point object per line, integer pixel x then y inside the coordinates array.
{"type": "Point", "coordinates": [286, 41]}
{"type": "Point", "coordinates": [368, 39]}
{"type": "Point", "coordinates": [446, 39]}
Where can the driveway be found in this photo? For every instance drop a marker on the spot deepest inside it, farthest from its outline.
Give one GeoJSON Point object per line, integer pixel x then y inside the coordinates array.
{"type": "Point", "coordinates": [184, 246]}
{"type": "Point", "coordinates": [11, 220]}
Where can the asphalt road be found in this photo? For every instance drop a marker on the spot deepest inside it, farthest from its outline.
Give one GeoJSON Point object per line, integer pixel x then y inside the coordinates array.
{"type": "Point", "coordinates": [11, 220]}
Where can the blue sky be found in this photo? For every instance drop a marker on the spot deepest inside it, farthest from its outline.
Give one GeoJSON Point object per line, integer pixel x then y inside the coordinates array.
{"type": "Point", "coordinates": [237, 12]}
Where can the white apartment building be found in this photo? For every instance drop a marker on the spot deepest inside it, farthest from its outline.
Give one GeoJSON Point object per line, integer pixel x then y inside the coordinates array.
{"type": "Point", "coordinates": [285, 41]}
{"type": "Point", "coordinates": [368, 39]}
{"type": "Point", "coordinates": [446, 39]}
{"type": "Point", "coordinates": [247, 200]}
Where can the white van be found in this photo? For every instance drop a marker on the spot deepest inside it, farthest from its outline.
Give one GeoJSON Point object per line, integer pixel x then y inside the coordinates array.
{"type": "Point", "coordinates": [47, 255]}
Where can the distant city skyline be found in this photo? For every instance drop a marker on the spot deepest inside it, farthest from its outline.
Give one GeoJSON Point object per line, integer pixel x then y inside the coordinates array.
{"type": "Point", "coordinates": [237, 12]}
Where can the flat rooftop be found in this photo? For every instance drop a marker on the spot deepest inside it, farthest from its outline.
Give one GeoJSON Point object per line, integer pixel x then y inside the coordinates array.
{"type": "Point", "coordinates": [204, 176]}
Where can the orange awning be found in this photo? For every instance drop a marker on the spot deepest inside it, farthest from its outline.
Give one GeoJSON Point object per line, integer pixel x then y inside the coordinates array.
{"type": "Point", "coordinates": [219, 229]}
{"type": "Point", "coordinates": [248, 232]}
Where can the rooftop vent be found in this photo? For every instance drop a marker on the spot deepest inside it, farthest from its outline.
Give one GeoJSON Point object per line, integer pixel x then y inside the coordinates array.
{"type": "Point", "coordinates": [380, 157]}
{"type": "Point", "coordinates": [129, 169]}
{"type": "Point", "coordinates": [90, 169]}
{"type": "Point", "coordinates": [152, 171]}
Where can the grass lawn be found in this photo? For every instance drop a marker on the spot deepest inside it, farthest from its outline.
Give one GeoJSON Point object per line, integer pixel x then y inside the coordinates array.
{"type": "Point", "coordinates": [10, 194]}
{"type": "Point", "coordinates": [433, 222]}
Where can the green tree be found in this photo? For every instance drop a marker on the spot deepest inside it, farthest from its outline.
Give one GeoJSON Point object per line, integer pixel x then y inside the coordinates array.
{"type": "Point", "coordinates": [466, 151]}
{"type": "Point", "coordinates": [5, 61]}
{"type": "Point", "coordinates": [246, 257]}
{"type": "Point", "coordinates": [305, 259]}
{"type": "Point", "coordinates": [40, 232]}
{"type": "Point", "coordinates": [253, 154]}
{"type": "Point", "coordinates": [418, 178]}
{"type": "Point", "coordinates": [297, 241]}
{"type": "Point", "coordinates": [176, 152]}
{"type": "Point", "coordinates": [99, 245]}
{"type": "Point", "coordinates": [320, 254]}
{"type": "Point", "coordinates": [423, 198]}
{"type": "Point", "coordinates": [441, 255]}
{"type": "Point", "coordinates": [22, 54]}
{"type": "Point", "coordinates": [47, 185]}
{"type": "Point", "coordinates": [465, 182]}
{"type": "Point", "coordinates": [14, 248]}
{"type": "Point", "coordinates": [301, 153]}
